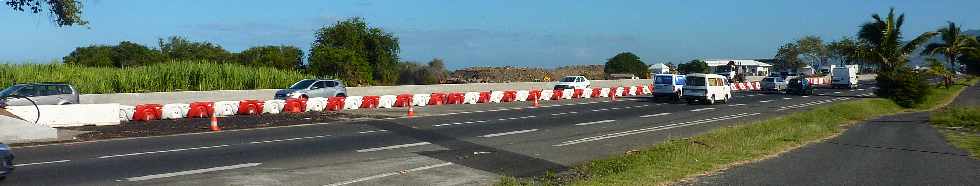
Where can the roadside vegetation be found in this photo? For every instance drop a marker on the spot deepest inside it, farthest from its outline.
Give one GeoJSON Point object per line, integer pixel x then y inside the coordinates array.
{"type": "Point", "coordinates": [170, 76]}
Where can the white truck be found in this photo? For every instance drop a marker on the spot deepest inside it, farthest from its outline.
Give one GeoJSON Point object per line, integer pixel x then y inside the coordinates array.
{"type": "Point", "coordinates": [844, 77]}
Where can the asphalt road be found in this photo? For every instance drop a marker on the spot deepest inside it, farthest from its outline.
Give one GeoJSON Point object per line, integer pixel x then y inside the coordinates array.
{"type": "Point", "coordinates": [893, 150]}
{"type": "Point", "coordinates": [451, 145]}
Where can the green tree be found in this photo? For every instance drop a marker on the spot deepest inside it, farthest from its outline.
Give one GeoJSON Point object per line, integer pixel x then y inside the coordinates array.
{"type": "Point", "coordinates": [972, 62]}
{"type": "Point", "coordinates": [281, 57]}
{"type": "Point", "coordinates": [627, 63]}
{"type": "Point", "coordinates": [343, 63]}
{"type": "Point", "coordinates": [814, 51]}
{"type": "Point", "coordinates": [788, 57]}
{"type": "Point", "coordinates": [129, 54]}
{"type": "Point", "coordinates": [694, 66]}
{"type": "Point", "coordinates": [411, 73]}
{"type": "Point", "coordinates": [353, 38]}
{"type": "Point", "coordinates": [65, 12]}
{"type": "Point", "coordinates": [936, 68]}
{"type": "Point", "coordinates": [954, 44]}
{"type": "Point", "coordinates": [91, 56]}
{"type": "Point", "coordinates": [179, 48]}
{"type": "Point", "coordinates": [844, 50]}
{"type": "Point", "coordinates": [897, 81]}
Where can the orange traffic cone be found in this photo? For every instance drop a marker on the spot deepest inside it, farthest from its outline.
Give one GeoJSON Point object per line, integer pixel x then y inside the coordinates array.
{"type": "Point", "coordinates": [411, 111]}
{"type": "Point", "coordinates": [536, 105]}
{"type": "Point", "coordinates": [614, 95]}
{"type": "Point", "coordinates": [214, 123]}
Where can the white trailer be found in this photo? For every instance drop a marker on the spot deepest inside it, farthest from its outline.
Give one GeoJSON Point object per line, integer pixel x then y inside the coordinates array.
{"type": "Point", "coordinates": [844, 76]}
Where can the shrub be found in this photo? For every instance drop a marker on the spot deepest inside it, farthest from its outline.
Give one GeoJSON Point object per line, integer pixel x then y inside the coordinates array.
{"type": "Point", "coordinates": [904, 86]}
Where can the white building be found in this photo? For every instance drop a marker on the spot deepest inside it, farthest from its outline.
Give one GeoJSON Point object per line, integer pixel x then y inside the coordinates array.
{"type": "Point", "coordinates": [748, 67]}
{"type": "Point", "coordinates": [659, 68]}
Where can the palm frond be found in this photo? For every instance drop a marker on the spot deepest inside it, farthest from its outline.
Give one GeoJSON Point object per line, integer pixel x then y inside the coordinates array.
{"type": "Point", "coordinates": [933, 48]}
{"type": "Point", "coordinates": [918, 41]}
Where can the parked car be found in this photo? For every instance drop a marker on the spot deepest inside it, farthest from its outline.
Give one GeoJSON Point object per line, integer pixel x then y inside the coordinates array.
{"type": "Point", "coordinates": [309, 88]}
{"type": "Point", "coordinates": [573, 82]}
{"type": "Point", "coordinates": [774, 84]}
{"type": "Point", "coordinates": [40, 93]}
{"type": "Point", "coordinates": [799, 86]}
{"type": "Point", "coordinates": [707, 88]}
{"type": "Point", "coordinates": [6, 161]}
{"type": "Point", "coordinates": [669, 86]}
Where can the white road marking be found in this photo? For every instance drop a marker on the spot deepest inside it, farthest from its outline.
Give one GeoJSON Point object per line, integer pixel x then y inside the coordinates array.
{"type": "Point", "coordinates": [787, 98]}
{"type": "Point", "coordinates": [394, 147]}
{"type": "Point", "coordinates": [735, 105]}
{"type": "Point", "coordinates": [503, 109]}
{"type": "Point", "coordinates": [469, 122]}
{"type": "Point", "coordinates": [41, 163]}
{"type": "Point", "coordinates": [502, 119]}
{"type": "Point", "coordinates": [163, 151]}
{"type": "Point", "coordinates": [508, 133]}
{"type": "Point", "coordinates": [511, 118]}
{"type": "Point", "coordinates": [389, 174]}
{"type": "Point", "coordinates": [805, 96]}
{"type": "Point", "coordinates": [812, 103]}
{"type": "Point", "coordinates": [836, 92]}
{"type": "Point", "coordinates": [573, 112]}
{"type": "Point", "coordinates": [654, 115]}
{"type": "Point", "coordinates": [615, 108]}
{"type": "Point", "coordinates": [481, 121]}
{"type": "Point", "coordinates": [652, 129]}
{"type": "Point", "coordinates": [594, 122]}
{"type": "Point", "coordinates": [479, 111]}
{"type": "Point", "coordinates": [184, 173]}
{"type": "Point", "coordinates": [299, 138]}
{"type": "Point", "coordinates": [766, 101]}
{"type": "Point", "coordinates": [570, 104]}
{"type": "Point", "coordinates": [751, 95]}
{"type": "Point", "coordinates": [373, 131]}
{"type": "Point", "coordinates": [465, 112]}
{"type": "Point", "coordinates": [861, 89]}
{"type": "Point", "coordinates": [595, 110]}
{"type": "Point", "coordinates": [702, 109]}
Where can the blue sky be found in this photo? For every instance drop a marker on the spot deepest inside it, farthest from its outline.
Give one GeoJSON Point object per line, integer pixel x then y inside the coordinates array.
{"type": "Point", "coordinates": [540, 33]}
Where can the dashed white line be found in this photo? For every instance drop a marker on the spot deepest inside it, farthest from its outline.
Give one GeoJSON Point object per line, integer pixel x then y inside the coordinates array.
{"type": "Point", "coordinates": [735, 105]}
{"type": "Point", "coordinates": [836, 92]}
{"type": "Point", "coordinates": [394, 147]}
{"type": "Point", "coordinates": [654, 115]}
{"type": "Point", "coordinates": [198, 171]}
{"type": "Point", "coordinates": [652, 129]}
{"type": "Point", "coordinates": [41, 163]}
{"type": "Point", "coordinates": [766, 101]}
{"type": "Point", "coordinates": [594, 122]}
{"type": "Point", "coordinates": [389, 174]}
{"type": "Point", "coordinates": [300, 138]}
{"type": "Point", "coordinates": [373, 131]}
{"type": "Point", "coordinates": [787, 98]}
{"type": "Point", "coordinates": [508, 133]}
{"type": "Point", "coordinates": [702, 109]}
{"type": "Point", "coordinates": [163, 151]}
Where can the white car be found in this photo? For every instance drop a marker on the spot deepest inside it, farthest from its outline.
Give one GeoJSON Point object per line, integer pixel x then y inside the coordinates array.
{"type": "Point", "coordinates": [573, 82]}
{"type": "Point", "coordinates": [707, 88]}
{"type": "Point", "coordinates": [669, 86]}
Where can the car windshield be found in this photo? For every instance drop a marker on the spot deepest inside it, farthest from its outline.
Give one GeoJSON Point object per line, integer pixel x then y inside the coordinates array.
{"type": "Point", "coordinates": [568, 79]}
{"type": "Point", "coordinates": [302, 84]}
{"type": "Point", "coordinates": [698, 81]}
{"type": "Point", "coordinates": [664, 80]}
{"type": "Point", "coordinates": [10, 90]}
{"type": "Point", "coordinates": [769, 79]}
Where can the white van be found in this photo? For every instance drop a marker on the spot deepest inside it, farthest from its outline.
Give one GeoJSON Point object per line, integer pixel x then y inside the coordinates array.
{"type": "Point", "coordinates": [669, 86]}
{"type": "Point", "coordinates": [707, 88]}
{"type": "Point", "coordinates": [573, 82]}
{"type": "Point", "coordinates": [844, 77]}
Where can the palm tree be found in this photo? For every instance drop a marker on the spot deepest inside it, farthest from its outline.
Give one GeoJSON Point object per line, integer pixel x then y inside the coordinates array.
{"type": "Point", "coordinates": [882, 40]}
{"type": "Point", "coordinates": [954, 44]}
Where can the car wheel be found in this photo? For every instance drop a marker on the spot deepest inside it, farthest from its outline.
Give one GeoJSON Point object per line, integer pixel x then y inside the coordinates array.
{"type": "Point", "coordinates": [711, 101]}
{"type": "Point", "coordinates": [727, 98]}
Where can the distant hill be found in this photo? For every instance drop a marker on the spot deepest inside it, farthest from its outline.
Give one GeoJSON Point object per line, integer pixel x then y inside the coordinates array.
{"type": "Point", "coordinates": [920, 60]}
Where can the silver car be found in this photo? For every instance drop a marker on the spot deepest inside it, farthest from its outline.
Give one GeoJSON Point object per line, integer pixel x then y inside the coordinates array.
{"type": "Point", "coordinates": [40, 93]}
{"type": "Point", "coordinates": [310, 88]}
{"type": "Point", "coordinates": [775, 84]}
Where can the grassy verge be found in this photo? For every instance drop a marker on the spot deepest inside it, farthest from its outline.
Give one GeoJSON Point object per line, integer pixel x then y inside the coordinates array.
{"type": "Point", "coordinates": [960, 126]}
{"type": "Point", "coordinates": [676, 159]}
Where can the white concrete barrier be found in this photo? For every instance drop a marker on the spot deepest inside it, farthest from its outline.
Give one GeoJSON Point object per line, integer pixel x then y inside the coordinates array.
{"type": "Point", "coordinates": [175, 110]}
{"type": "Point", "coordinates": [522, 95]}
{"type": "Point", "coordinates": [225, 108]}
{"type": "Point", "coordinates": [316, 104]}
{"type": "Point", "coordinates": [496, 96]}
{"type": "Point", "coordinates": [546, 94]}
{"type": "Point", "coordinates": [352, 102]}
{"type": "Point", "coordinates": [420, 99]}
{"type": "Point", "coordinates": [126, 112]}
{"type": "Point", "coordinates": [471, 97]}
{"type": "Point", "coordinates": [273, 106]}
{"type": "Point", "coordinates": [69, 115]}
{"type": "Point", "coordinates": [387, 101]}
{"type": "Point", "coordinates": [567, 93]}
{"type": "Point", "coordinates": [586, 93]}
{"type": "Point", "coordinates": [13, 130]}
{"type": "Point", "coordinates": [619, 91]}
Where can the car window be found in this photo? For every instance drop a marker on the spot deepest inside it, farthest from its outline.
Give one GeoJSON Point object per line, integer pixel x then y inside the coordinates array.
{"type": "Point", "coordinates": [10, 90]}
{"type": "Point", "coordinates": [681, 81]}
{"type": "Point", "coordinates": [27, 91]}
{"type": "Point", "coordinates": [320, 84]}
{"type": "Point", "coordinates": [568, 79]}
{"type": "Point", "coordinates": [696, 82]}
{"type": "Point", "coordinates": [332, 83]}
{"type": "Point", "coordinates": [302, 84]}
{"type": "Point", "coordinates": [663, 80]}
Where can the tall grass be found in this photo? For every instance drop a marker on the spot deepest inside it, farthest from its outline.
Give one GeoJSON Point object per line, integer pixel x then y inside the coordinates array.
{"type": "Point", "coordinates": [161, 77]}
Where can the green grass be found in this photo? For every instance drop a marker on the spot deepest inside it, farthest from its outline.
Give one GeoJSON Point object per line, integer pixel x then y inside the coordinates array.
{"type": "Point", "coordinates": [960, 126]}
{"type": "Point", "coordinates": [719, 148]}
{"type": "Point", "coordinates": [168, 76]}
